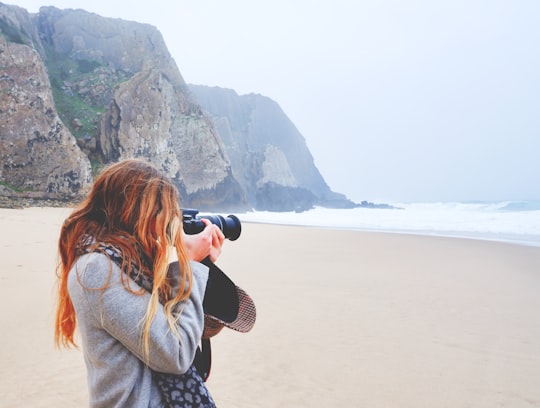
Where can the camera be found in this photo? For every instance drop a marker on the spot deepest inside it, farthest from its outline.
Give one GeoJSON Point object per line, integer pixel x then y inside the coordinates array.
{"type": "Point", "coordinates": [230, 225]}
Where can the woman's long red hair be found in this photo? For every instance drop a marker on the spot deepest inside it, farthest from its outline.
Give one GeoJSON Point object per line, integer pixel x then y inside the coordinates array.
{"type": "Point", "coordinates": [134, 207]}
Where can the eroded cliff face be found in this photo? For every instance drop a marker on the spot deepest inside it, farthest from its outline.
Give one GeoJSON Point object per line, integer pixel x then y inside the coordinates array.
{"type": "Point", "coordinates": [118, 94]}
{"type": "Point", "coordinates": [39, 157]}
{"type": "Point", "coordinates": [184, 144]}
{"type": "Point", "coordinates": [151, 114]}
{"type": "Point", "coordinates": [121, 94]}
{"type": "Point", "coordinates": [141, 129]}
{"type": "Point", "coordinates": [268, 155]}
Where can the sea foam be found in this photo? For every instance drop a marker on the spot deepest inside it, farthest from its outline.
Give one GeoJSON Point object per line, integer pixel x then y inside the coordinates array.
{"type": "Point", "coordinates": [508, 221]}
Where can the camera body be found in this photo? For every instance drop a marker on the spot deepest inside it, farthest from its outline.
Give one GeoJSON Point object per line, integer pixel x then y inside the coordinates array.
{"type": "Point", "coordinates": [192, 224]}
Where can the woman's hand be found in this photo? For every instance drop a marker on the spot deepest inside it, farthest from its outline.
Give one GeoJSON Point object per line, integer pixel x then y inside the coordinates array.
{"type": "Point", "coordinates": [207, 243]}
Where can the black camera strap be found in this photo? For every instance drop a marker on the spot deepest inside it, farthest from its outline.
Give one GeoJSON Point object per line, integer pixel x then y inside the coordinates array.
{"type": "Point", "coordinates": [203, 359]}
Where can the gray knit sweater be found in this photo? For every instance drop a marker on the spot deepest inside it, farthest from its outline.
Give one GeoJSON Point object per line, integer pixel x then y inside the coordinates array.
{"type": "Point", "coordinates": [109, 321]}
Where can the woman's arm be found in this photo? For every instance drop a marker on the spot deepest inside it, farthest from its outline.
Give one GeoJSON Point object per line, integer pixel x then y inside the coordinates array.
{"type": "Point", "coordinates": [121, 313]}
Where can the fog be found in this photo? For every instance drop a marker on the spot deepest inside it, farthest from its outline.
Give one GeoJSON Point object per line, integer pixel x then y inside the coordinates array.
{"type": "Point", "coordinates": [397, 101]}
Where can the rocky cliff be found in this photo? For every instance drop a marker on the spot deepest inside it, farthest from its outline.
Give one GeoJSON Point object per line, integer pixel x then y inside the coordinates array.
{"type": "Point", "coordinates": [39, 157]}
{"type": "Point", "coordinates": [79, 91]}
{"type": "Point", "coordinates": [269, 156]}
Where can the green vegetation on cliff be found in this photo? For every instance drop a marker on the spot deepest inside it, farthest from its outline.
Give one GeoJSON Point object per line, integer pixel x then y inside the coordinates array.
{"type": "Point", "coordinates": [10, 187]}
{"type": "Point", "coordinates": [80, 116]}
{"type": "Point", "coordinates": [81, 89]}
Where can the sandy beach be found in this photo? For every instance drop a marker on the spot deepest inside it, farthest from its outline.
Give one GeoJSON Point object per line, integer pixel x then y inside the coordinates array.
{"type": "Point", "coordinates": [345, 319]}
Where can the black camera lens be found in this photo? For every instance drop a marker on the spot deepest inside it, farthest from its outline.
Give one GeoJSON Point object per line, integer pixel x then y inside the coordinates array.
{"type": "Point", "coordinates": [230, 225]}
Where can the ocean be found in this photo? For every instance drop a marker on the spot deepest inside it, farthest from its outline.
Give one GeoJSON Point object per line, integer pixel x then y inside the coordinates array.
{"type": "Point", "coordinates": [507, 221]}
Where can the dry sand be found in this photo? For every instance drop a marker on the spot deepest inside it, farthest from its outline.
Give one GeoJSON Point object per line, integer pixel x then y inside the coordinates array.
{"type": "Point", "coordinates": [352, 319]}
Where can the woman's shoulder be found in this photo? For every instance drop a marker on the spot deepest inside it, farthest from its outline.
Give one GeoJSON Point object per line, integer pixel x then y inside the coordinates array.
{"type": "Point", "coordinates": [94, 269]}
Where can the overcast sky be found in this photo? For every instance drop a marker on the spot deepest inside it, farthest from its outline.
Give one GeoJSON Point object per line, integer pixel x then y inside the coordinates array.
{"type": "Point", "coordinates": [420, 100]}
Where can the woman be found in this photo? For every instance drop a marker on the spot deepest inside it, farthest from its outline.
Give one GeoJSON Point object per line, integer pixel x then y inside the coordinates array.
{"type": "Point", "coordinates": [131, 223]}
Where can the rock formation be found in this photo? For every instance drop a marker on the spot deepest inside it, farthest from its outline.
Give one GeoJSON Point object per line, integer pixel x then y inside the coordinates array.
{"type": "Point", "coordinates": [121, 94]}
{"type": "Point", "coordinates": [79, 91]}
{"type": "Point", "coordinates": [268, 154]}
{"type": "Point", "coordinates": [39, 157]}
